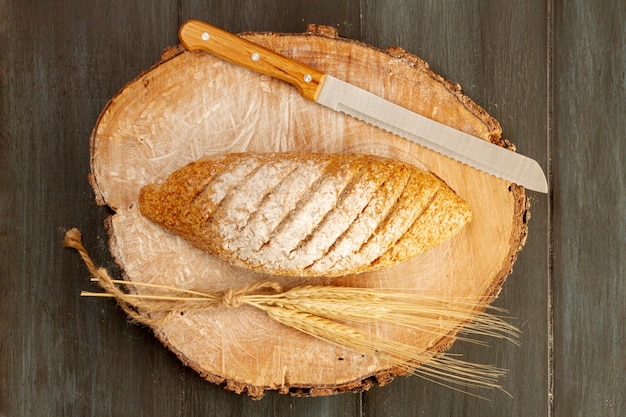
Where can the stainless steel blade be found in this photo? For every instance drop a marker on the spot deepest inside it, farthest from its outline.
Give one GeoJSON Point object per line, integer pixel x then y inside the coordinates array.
{"type": "Point", "coordinates": [485, 156]}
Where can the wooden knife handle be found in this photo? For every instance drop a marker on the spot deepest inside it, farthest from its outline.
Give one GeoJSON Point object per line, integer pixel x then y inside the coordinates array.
{"type": "Point", "coordinates": [195, 34]}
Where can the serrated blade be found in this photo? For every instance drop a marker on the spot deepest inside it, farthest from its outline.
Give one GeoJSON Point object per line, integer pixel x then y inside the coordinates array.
{"type": "Point", "coordinates": [485, 156]}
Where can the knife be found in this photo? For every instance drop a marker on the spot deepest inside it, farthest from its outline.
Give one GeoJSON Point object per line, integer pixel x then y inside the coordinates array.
{"type": "Point", "coordinates": [347, 98]}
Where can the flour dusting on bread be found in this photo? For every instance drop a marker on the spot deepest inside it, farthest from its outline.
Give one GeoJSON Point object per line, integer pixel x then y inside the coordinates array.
{"type": "Point", "coordinates": [306, 214]}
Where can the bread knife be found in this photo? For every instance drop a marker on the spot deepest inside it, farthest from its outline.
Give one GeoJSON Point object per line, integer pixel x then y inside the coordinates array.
{"type": "Point", "coordinates": [341, 96]}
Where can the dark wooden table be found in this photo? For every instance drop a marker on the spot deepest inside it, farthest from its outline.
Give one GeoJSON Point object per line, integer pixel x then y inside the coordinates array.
{"type": "Point", "coordinates": [552, 72]}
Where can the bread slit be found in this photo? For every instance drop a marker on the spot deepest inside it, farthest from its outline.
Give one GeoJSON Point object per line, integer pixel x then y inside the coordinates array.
{"type": "Point", "coordinates": [204, 186]}
{"type": "Point", "coordinates": [237, 209]}
{"type": "Point", "coordinates": [371, 247]}
{"type": "Point", "coordinates": [356, 233]}
{"type": "Point", "coordinates": [224, 205]}
{"type": "Point", "coordinates": [302, 202]}
{"type": "Point", "coordinates": [307, 215]}
{"type": "Point", "coordinates": [223, 184]}
{"type": "Point", "coordinates": [335, 222]}
{"type": "Point", "coordinates": [393, 250]}
{"type": "Point", "coordinates": [291, 193]}
{"type": "Point", "coordinates": [272, 209]}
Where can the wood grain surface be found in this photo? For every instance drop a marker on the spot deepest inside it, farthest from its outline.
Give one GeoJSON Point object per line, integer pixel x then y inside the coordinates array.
{"type": "Point", "coordinates": [551, 72]}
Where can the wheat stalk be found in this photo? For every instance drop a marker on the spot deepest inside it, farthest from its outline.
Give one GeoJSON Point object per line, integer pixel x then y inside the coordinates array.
{"type": "Point", "coordinates": [336, 315]}
{"type": "Point", "coordinates": [428, 314]}
{"type": "Point", "coordinates": [441, 369]}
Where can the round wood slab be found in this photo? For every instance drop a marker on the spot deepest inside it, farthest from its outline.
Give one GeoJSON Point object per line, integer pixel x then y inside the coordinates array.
{"type": "Point", "coordinates": [192, 104]}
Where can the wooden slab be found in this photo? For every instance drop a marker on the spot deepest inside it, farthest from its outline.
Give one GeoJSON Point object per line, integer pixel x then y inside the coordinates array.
{"type": "Point", "coordinates": [191, 104]}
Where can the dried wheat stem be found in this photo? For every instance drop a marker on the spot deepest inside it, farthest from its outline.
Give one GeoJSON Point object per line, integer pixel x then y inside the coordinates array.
{"type": "Point", "coordinates": [422, 313]}
{"type": "Point", "coordinates": [441, 369]}
{"type": "Point", "coordinates": [326, 312]}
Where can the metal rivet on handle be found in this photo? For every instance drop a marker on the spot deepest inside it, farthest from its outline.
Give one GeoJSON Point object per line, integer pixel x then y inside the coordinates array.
{"type": "Point", "coordinates": [255, 57]}
{"type": "Point", "coordinates": [205, 36]}
{"type": "Point", "coordinates": [307, 78]}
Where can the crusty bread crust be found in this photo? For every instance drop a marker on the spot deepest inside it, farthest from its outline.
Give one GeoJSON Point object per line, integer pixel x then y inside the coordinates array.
{"type": "Point", "coordinates": [306, 214]}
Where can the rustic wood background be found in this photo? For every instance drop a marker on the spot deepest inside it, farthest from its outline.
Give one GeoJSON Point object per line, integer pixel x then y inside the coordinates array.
{"type": "Point", "coordinates": [552, 72]}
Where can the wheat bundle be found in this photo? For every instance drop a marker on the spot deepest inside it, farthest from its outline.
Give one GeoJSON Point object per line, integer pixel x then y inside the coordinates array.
{"type": "Point", "coordinates": [338, 315]}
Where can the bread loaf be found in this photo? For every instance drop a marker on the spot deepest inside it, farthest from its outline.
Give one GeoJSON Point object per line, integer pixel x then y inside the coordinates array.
{"type": "Point", "coordinates": [306, 214]}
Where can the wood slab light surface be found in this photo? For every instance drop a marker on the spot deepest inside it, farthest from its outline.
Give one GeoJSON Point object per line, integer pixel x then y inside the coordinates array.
{"type": "Point", "coordinates": [192, 104]}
